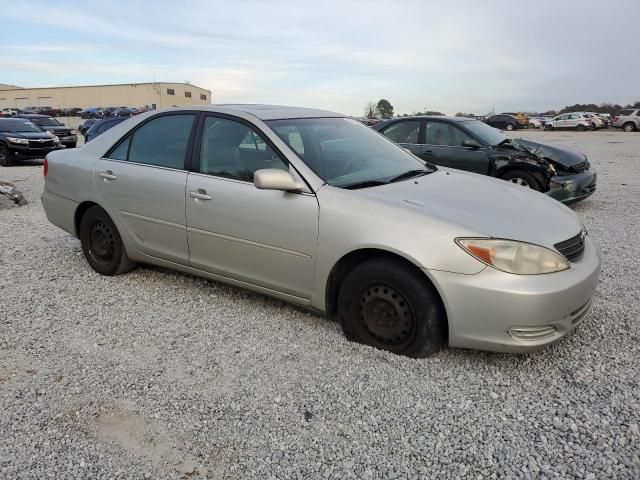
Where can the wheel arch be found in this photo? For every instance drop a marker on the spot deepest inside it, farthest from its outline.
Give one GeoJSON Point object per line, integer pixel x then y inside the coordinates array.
{"type": "Point", "coordinates": [81, 209]}
{"type": "Point", "coordinates": [350, 260]}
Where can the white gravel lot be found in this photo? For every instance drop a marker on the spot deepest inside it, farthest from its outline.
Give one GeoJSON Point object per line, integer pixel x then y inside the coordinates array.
{"type": "Point", "coordinates": [155, 374]}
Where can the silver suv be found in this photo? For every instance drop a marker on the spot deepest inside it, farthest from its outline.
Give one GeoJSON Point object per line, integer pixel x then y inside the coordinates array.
{"type": "Point", "coordinates": [574, 120]}
{"type": "Point", "coordinates": [628, 120]}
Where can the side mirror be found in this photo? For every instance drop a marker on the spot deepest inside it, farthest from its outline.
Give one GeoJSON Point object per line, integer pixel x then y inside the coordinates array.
{"type": "Point", "coordinates": [275, 179]}
{"type": "Point", "coordinates": [471, 144]}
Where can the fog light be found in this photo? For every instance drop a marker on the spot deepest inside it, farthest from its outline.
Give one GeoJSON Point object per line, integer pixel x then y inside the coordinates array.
{"type": "Point", "coordinates": [532, 334]}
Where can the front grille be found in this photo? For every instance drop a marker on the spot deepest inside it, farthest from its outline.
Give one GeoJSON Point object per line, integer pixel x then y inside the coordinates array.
{"type": "Point", "coordinates": [573, 248]}
{"type": "Point", "coordinates": [37, 144]}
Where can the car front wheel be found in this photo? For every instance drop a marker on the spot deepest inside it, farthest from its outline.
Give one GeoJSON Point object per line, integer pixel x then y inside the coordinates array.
{"type": "Point", "coordinates": [388, 305]}
{"type": "Point", "coordinates": [581, 128]}
{"type": "Point", "coordinates": [5, 156]}
{"type": "Point", "coordinates": [629, 127]}
{"type": "Point", "coordinates": [524, 179]}
{"type": "Point", "coordinates": [101, 243]}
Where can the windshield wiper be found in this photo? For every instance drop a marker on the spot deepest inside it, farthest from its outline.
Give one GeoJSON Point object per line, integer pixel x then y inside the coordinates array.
{"type": "Point", "coordinates": [365, 184]}
{"type": "Point", "coordinates": [410, 174]}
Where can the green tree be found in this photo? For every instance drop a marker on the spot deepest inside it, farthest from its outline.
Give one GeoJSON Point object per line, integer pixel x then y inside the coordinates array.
{"type": "Point", "coordinates": [385, 109]}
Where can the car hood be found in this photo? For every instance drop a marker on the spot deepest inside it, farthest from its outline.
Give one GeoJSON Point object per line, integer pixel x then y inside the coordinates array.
{"type": "Point", "coordinates": [566, 157]}
{"type": "Point", "coordinates": [488, 206]}
{"type": "Point", "coordinates": [57, 130]}
{"type": "Point", "coordinates": [33, 135]}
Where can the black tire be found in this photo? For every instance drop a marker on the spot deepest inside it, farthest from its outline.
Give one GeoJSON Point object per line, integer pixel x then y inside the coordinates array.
{"type": "Point", "coordinates": [580, 128]}
{"type": "Point", "coordinates": [522, 178]}
{"type": "Point", "coordinates": [5, 156]}
{"type": "Point", "coordinates": [387, 305]}
{"type": "Point", "coordinates": [548, 128]}
{"type": "Point", "coordinates": [509, 127]}
{"type": "Point", "coordinates": [629, 127]}
{"type": "Point", "coordinates": [101, 243]}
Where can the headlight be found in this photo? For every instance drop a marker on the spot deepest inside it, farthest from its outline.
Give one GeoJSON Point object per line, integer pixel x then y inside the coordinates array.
{"type": "Point", "coordinates": [514, 257]}
{"type": "Point", "coordinates": [21, 141]}
{"type": "Point", "coordinates": [72, 132]}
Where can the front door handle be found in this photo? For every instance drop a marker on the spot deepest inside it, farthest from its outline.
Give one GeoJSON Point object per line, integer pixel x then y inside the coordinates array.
{"type": "Point", "coordinates": [200, 194]}
{"type": "Point", "coordinates": [108, 175]}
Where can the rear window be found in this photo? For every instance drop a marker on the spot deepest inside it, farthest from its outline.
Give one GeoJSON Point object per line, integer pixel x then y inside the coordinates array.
{"type": "Point", "coordinates": [626, 113]}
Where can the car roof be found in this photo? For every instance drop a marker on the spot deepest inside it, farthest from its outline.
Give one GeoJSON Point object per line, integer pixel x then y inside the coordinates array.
{"type": "Point", "coordinates": [269, 112]}
{"type": "Point", "coordinates": [432, 117]}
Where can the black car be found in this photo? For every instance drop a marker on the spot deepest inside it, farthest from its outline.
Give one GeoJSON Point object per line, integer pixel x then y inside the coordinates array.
{"type": "Point", "coordinates": [472, 145]}
{"type": "Point", "coordinates": [67, 135]}
{"type": "Point", "coordinates": [84, 127]}
{"type": "Point", "coordinates": [102, 126]}
{"type": "Point", "coordinates": [503, 122]}
{"type": "Point", "coordinates": [19, 139]}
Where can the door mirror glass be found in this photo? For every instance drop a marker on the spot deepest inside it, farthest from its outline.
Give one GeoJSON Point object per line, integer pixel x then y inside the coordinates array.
{"type": "Point", "coordinates": [275, 179]}
{"type": "Point", "coordinates": [471, 144]}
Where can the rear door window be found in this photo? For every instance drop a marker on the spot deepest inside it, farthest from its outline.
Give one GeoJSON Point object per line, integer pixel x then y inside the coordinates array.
{"type": "Point", "coordinates": [626, 113]}
{"type": "Point", "coordinates": [403, 132]}
{"type": "Point", "coordinates": [162, 141]}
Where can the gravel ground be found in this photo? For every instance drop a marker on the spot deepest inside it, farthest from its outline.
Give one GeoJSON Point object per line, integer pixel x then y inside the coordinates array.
{"type": "Point", "coordinates": [155, 374]}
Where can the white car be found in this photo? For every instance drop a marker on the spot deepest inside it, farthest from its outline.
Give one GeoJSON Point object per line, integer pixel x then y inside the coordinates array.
{"type": "Point", "coordinates": [9, 112]}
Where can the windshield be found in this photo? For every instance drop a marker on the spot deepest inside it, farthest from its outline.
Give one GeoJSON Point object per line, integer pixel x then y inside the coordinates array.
{"type": "Point", "coordinates": [45, 121]}
{"type": "Point", "coordinates": [484, 132]}
{"type": "Point", "coordinates": [18, 125]}
{"type": "Point", "coordinates": [346, 154]}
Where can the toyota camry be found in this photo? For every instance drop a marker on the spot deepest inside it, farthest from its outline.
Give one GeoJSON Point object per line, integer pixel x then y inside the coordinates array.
{"type": "Point", "coordinates": [316, 209]}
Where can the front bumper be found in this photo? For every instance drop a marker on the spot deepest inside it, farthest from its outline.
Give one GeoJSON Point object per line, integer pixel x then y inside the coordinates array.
{"type": "Point", "coordinates": [22, 151]}
{"type": "Point", "coordinates": [67, 140]}
{"type": "Point", "coordinates": [573, 188]}
{"type": "Point", "coordinates": [502, 312]}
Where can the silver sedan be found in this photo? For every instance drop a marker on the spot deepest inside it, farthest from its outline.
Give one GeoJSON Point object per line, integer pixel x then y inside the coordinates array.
{"type": "Point", "coordinates": [316, 209]}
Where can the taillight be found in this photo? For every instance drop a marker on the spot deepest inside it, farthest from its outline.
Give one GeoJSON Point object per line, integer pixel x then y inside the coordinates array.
{"type": "Point", "coordinates": [46, 166]}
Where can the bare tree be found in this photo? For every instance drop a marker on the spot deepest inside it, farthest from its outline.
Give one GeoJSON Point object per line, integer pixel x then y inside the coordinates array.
{"type": "Point", "coordinates": [370, 110]}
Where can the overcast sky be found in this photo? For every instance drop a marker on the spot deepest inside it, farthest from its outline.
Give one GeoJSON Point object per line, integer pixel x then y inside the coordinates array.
{"type": "Point", "coordinates": [446, 55]}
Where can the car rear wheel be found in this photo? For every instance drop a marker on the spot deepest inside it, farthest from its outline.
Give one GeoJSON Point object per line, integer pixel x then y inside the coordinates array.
{"type": "Point", "coordinates": [509, 127]}
{"type": "Point", "coordinates": [387, 305]}
{"type": "Point", "coordinates": [101, 243]}
{"type": "Point", "coordinates": [5, 156]}
{"type": "Point", "coordinates": [548, 128]}
{"type": "Point", "coordinates": [629, 127]}
{"type": "Point", "coordinates": [524, 179]}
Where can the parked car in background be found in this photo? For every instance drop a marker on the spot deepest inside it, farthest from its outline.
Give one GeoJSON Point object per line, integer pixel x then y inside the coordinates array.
{"type": "Point", "coordinates": [92, 112]}
{"type": "Point", "coordinates": [49, 111]}
{"type": "Point", "coordinates": [473, 146]}
{"type": "Point", "coordinates": [571, 121]}
{"type": "Point", "coordinates": [628, 120]}
{"type": "Point", "coordinates": [21, 139]}
{"type": "Point", "coordinates": [406, 256]}
{"type": "Point", "coordinates": [8, 112]}
{"type": "Point", "coordinates": [597, 121]}
{"type": "Point", "coordinates": [70, 112]}
{"type": "Point", "coordinates": [503, 122]}
{"type": "Point", "coordinates": [522, 119]}
{"type": "Point", "coordinates": [102, 126]}
{"type": "Point", "coordinates": [86, 125]}
{"type": "Point", "coordinates": [67, 136]}
{"type": "Point", "coordinates": [536, 122]}
{"type": "Point", "coordinates": [124, 112]}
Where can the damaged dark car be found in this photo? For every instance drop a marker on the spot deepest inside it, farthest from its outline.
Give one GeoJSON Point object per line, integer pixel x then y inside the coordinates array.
{"type": "Point", "coordinates": [474, 146]}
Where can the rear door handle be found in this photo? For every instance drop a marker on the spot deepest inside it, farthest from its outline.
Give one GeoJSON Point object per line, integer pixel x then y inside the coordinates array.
{"type": "Point", "coordinates": [200, 195]}
{"type": "Point", "coordinates": [108, 175]}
